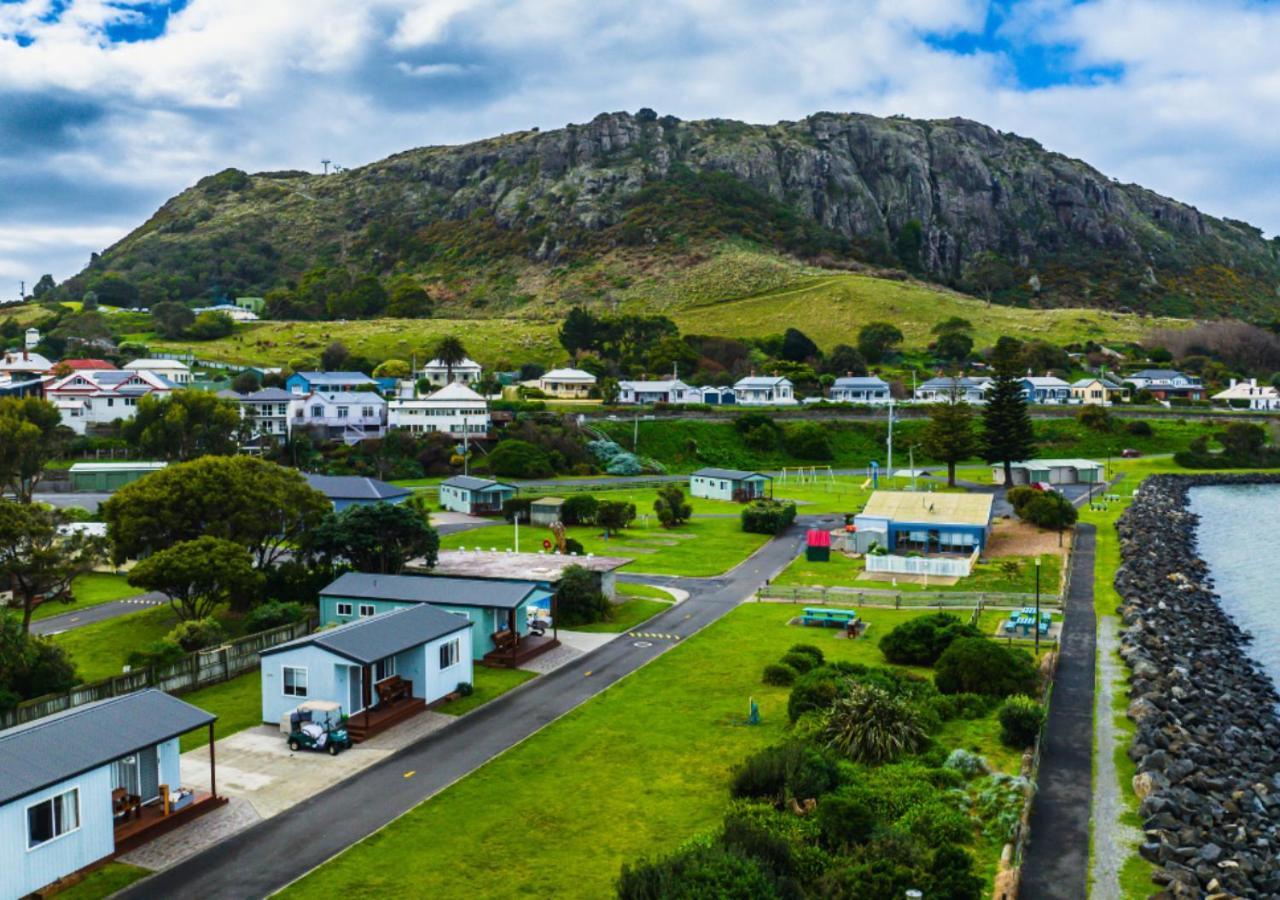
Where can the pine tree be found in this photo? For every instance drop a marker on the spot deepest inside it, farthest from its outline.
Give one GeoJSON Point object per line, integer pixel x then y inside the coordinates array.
{"type": "Point", "coordinates": [949, 437]}
{"type": "Point", "coordinates": [1007, 436]}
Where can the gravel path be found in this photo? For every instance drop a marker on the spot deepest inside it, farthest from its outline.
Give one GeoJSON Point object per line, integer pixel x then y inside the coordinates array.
{"type": "Point", "coordinates": [1112, 839]}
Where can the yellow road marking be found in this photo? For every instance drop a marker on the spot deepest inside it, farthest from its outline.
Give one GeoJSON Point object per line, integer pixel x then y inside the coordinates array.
{"type": "Point", "coordinates": [585, 674]}
{"type": "Point", "coordinates": [410, 773]}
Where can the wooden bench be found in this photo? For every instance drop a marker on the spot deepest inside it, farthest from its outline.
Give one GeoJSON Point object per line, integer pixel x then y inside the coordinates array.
{"type": "Point", "coordinates": [829, 618]}
{"type": "Point", "coordinates": [392, 689]}
{"type": "Point", "coordinates": [505, 639]}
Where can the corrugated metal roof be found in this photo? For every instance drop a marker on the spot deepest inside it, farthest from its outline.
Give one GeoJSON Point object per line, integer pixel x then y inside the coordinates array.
{"type": "Point", "coordinates": [855, 381]}
{"type": "Point", "coordinates": [760, 381]}
{"type": "Point", "coordinates": [61, 746]}
{"type": "Point", "coordinates": [1053, 464]}
{"type": "Point", "coordinates": [336, 377]}
{"type": "Point", "coordinates": [486, 593]}
{"type": "Point", "coordinates": [117, 467]}
{"type": "Point", "coordinates": [366, 641]}
{"type": "Point", "coordinates": [731, 474]}
{"type": "Point", "coordinates": [471, 483]}
{"type": "Point", "coordinates": [353, 487]}
{"type": "Point", "coordinates": [931, 507]}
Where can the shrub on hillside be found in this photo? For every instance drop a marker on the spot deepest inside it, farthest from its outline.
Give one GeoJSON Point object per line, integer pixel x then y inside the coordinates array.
{"type": "Point", "coordinates": [981, 666]}
{"type": "Point", "coordinates": [1095, 417]}
{"type": "Point", "coordinates": [1139, 428]}
{"type": "Point", "coordinates": [808, 440]}
{"type": "Point", "coordinates": [163, 652]}
{"type": "Point", "coordinates": [1020, 720]}
{"type": "Point", "coordinates": [768, 516]}
{"type": "Point", "coordinates": [779, 675]}
{"type": "Point", "coordinates": [920, 641]}
{"type": "Point", "coordinates": [519, 459]}
{"type": "Point", "coordinates": [272, 614]}
{"type": "Point", "coordinates": [196, 634]}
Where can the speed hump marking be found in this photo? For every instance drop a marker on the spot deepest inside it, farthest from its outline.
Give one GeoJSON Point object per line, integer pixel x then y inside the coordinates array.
{"type": "Point", "coordinates": [642, 643]}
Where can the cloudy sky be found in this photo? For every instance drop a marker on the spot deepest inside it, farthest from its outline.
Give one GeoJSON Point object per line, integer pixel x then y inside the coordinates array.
{"type": "Point", "coordinates": [107, 107]}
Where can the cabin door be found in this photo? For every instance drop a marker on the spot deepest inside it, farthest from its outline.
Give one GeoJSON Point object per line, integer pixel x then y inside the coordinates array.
{"type": "Point", "coordinates": [355, 696]}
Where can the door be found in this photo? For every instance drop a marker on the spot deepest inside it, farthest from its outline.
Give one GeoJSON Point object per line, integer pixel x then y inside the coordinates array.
{"type": "Point", "coordinates": [354, 692]}
{"type": "Point", "coordinates": [149, 773]}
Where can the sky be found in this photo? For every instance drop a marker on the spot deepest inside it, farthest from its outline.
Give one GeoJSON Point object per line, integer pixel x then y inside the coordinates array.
{"type": "Point", "coordinates": [108, 108]}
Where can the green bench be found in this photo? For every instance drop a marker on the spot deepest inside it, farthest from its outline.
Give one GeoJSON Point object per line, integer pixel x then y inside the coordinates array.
{"type": "Point", "coordinates": [828, 618]}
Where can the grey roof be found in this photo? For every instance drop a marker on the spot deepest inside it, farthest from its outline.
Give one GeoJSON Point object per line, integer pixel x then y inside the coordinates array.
{"type": "Point", "coordinates": [860, 381]}
{"type": "Point", "coordinates": [366, 641]}
{"type": "Point", "coordinates": [485, 593]}
{"type": "Point", "coordinates": [731, 474]}
{"type": "Point", "coordinates": [1157, 374]}
{"type": "Point", "coordinates": [66, 744]}
{"type": "Point", "coordinates": [471, 483]}
{"type": "Point", "coordinates": [760, 381]}
{"type": "Point", "coordinates": [336, 377]}
{"type": "Point", "coordinates": [949, 382]}
{"type": "Point", "coordinates": [272, 394]}
{"type": "Point", "coordinates": [354, 487]}
{"type": "Point", "coordinates": [1106, 382]}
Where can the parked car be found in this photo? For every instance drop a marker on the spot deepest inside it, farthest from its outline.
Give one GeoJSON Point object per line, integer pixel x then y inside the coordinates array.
{"type": "Point", "coordinates": [1130, 453]}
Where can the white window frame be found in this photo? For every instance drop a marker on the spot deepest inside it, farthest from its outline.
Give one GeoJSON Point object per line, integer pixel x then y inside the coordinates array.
{"type": "Point", "coordinates": [284, 681]}
{"type": "Point", "coordinates": [387, 665]}
{"type": "Point", "coordinates": [53, 799]}
{"type": "Point", "coordinates": [452, 652]}
{"type": "Point", "coordinates": [343, 609]}
{"type": "Point", "coordinates": [367, 610]}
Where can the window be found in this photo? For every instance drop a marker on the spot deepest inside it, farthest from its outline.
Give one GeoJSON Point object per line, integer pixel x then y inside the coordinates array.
{"type": "Point", "coordinates": [317, 411]}
{"type": "Point", "coordinates": [295, 681]}
{"type": "Point", "coordinates": [450, 653]}
{"type": "Point", "coordinates": [366, 610]}
{"type": "Point", "coordinates": [366, 411]}
{"type": "Point", "coordinates": [342, 412]}
{"type": "Point", "coordinates": [384, 668]}
{"type": "Point", "coordinates": [344, 609]}
{"type": "Point", "coordinates": [53, 818]}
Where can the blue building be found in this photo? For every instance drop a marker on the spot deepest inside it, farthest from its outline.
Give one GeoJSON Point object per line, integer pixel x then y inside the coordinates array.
{"type": "Point", "coordinates": [423, 651]}
{"type": "Point", "coordinates": [492, 605]}
{"type": "Point", "coordinates": [475, 496]}
{"type": "Point", "coordinates": [327, 383]}
{"type": "Point", "coordinates": [355, 490]}
{"type": "Point", "coordinates": [1045, 389]}
{"type": "Point", "coordinates": [82, 785]}
{"type": "Point", "coordinates": [926, 521]}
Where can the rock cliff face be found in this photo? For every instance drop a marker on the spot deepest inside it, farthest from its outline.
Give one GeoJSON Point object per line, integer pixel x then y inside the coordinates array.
{"type": "Point", "coordinates": [954, 200]}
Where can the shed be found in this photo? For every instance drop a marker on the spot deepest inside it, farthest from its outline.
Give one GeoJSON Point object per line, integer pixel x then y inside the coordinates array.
{"type": "Point", "coordinates": [931, 522]}
{"type": "Point", "coordinates": [424, 650]}
{"type": "Point", "coordinates": [1051, 471]}
{"type": "Point", "coordinates": [728, 484]}
{"type": "Point", "coordinates": [545, 510]}
{"type": "Point", "coordinates": [108, 476]}
{"type": "Point", "coordinates": [475, 496]}
{"type": "Point", "coordinates": [545, 569]}
{"type": "Point", "coordinates": [353, 490]}
{"type": "Point", "coordinates": [817, 545]}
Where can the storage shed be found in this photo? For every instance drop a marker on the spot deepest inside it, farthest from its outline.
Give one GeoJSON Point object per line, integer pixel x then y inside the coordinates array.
{"type": "Point", "coordinates": [102, 477]}
{"type": "Point", "coordinates": [545, 510]}
{"type": "Point", "coordinates": [817, 545]}
{"type": "Point", "coordinates": [1052, 471]}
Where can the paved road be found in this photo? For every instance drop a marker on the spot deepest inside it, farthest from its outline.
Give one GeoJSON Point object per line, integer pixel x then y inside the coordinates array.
{"type": "Point", "coordinates": [77, 618]}
{"type": "Point", "coordinates": [262, 859]}
{"type": "Point", "coordinates": [1056, 863]}
{"type": "Point", "coordinates": [87, 501]}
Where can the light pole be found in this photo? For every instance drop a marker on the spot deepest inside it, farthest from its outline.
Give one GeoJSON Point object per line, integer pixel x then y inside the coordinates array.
{"type": "Point", "coordinates": [1037, 625]}
{"type": "Point", "coordinates": [516, 519]}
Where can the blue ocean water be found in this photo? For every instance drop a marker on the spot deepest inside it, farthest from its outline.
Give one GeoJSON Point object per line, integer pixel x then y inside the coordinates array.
{"type": "Point", "coordinates": [1236, 538]}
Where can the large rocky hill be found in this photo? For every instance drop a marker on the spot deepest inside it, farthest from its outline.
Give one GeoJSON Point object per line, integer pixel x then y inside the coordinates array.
{"type": "Point", "coordinates": [587, 211]}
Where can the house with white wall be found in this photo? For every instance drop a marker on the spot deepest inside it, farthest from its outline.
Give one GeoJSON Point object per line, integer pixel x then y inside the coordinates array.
{"type": "Point", "coordinates": [1248, 394]}
{"type": "Point", "coordinates": [89, 397]}
{"type": "Point", "coordinates": [437, 373]}
{"type": "Point", "coordinates": [173, 369]}
{"type": "Point", "coordinates": [764, 390]}
{"type": "Point", "coordinates": [868, 389]}
{"type": "Point", "coordinates": [348, 417]}
{"type": "Point", "coordinates": [668, 391]}
{"type": "Point", "coordinates": [567, 384]}
{"type": "Point", "coordinates": [455, 410]}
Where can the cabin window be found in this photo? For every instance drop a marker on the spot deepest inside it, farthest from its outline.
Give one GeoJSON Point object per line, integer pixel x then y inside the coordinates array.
{"type": "Point", "coordinates": [344, 609]}
{"type": "Point", "coordinates": [450, 653]}
{"type": "Point", "coordinates": [367, 609]}
{"type": "Point", "coordinates": [53, 818]}
{"type": "Point", "coordinates": [384, 668]}
{"type": "Point", "coordinates": [295, 681]}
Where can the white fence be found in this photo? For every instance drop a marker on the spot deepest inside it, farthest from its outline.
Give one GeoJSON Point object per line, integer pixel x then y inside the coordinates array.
{"type": "Point", "coordinates": [946, 567]}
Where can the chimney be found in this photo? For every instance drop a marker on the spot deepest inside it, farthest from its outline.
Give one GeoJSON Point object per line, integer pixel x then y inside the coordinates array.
{"type": "Point", "coordinates": [1232, 384]}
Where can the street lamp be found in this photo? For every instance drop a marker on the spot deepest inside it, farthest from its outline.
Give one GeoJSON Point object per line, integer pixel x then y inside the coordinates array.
{"type": "Point", "coordinates": [1037, 625]}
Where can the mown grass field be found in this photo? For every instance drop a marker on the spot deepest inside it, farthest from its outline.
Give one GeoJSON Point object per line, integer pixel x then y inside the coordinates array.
{"type": "Point", "coordinates": [237, 704]}
{"type": "Point", "coordinates": [653, 751]}
{"type": "Point", "coordinates": [89, 590]}
{"type": "Point", "coordinates": [100, 650]}
{"type": "Point", "coordinates": [488, 684]}
{"type": "Point", "coordinates": [103, 882]}
{"type": "Point", "coordinates": [844, 571]}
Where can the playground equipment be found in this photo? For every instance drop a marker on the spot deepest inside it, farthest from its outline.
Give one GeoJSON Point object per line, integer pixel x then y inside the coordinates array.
{"type": "Point", "coordinates": [808, 475]}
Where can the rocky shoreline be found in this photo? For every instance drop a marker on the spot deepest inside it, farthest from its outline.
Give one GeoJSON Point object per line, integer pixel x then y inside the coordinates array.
{"type": "Point", "coordinates": [1207, 744]}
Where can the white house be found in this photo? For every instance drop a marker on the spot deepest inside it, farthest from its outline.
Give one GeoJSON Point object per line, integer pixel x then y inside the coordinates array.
{"type": "Point", "coordinates": [1249, 394]}
{"type": "Point", "coordinates": [867, 389]}
{"type": "Point", "coordinates": [455, 410]}
{"type": "Point", "coordinates": [943, 388]}
{"type": "Point", "coordinates": [1045, 389]}
{"type": "Point", "coordinates": [31, 338]}
{"type": "Point", "coordinates": [567, 384]}
{"type": "Point", "coordinates": [266, 411]}
{"type": "Point", "coordinates": [728, 484]}
{"type": "Point", "coordinates": [466, 372]}
{"type": "Point", "coordinates": [1167, 384]}
{"type": "Point", "coordinates": [669, 391]}
{"type": "Point", "coordinates": [231, 311]}
{"type": "Point", "coordinates": [22, 364]}
{"type": "Point", "coordinates": [90, 397]}
{"type": "Point", "coordinates": [349, 417]}
{"type": "Point", "coordinates": [764, 390]}
{"type": "Point", "coordinates": [173, 369]}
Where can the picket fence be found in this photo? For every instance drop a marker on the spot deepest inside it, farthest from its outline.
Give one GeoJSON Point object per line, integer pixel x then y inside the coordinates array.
{"type": "Point", "coordinates": [938, 566]}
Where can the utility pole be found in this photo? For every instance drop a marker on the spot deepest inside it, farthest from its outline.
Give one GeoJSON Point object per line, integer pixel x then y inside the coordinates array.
{"type": "Point", "coordinates": [466, 447]}
{"type": "Point", "coordinates": [516, 519]}
{"type": "Point", "coordinates": [889, 468]}
{"type": "Point", "coordinates": [911, 461]}
{"type": "Point", "coordinates": [635, 432]}
{"type": "Point", "coordinates": [22, 290]}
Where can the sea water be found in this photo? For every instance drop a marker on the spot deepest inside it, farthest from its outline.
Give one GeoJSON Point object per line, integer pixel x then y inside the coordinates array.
{"type": "Point", "coordinates": [1236, 538]}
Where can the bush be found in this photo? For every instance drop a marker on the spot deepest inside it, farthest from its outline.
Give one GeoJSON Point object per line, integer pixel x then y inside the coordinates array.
{"type": "Point", "coordinates": [961, 706]}
{"type": "Point", "coordinates": [951, 875]}
{"type": "Point", "coordinates": [1019, 497]}
{"type": "Point", "coordinates": [1139, 428]}
{"type": "Point", "coordinates": [752, 838]}
{"type": "Point", "coordinates": [967, 763]}
{"type": "Point", "coordinates": [872, 726]}
{"type": "Point", "coordinates": [800, 662]}
{"type": "Point", "coordinates": [465, 689]}
{"type": "Point", "coordinates": [810, 650]}
{"type": "Point", "coordinates": [846, 819]}
{"type": "Point", "coordinates": [1094, 417]}
{"type": "Point", "coordinates": [578, 599]}
{"type": "Point", "coordinates": [579, 509]}
{"type": "Point", "coordinates": [768, 516]}
{"type": "Point", "coordinates": [699, 871]}
{"type": "Point", "coordinates": [1050, 510]}
{"type": "Point", "coordinates": [920, 641]}
{"type": "Point", "coordinates": [980, 666]}
{"type": "Point", "coordinates": [163, 652]}
{"type": "Point", "coordinates": [197, 634]}
{"type": "Point", "coordinates": [814, 690]}
{"type": "Point", "coordinates": [574, 546]}
{"type": "Point", "coordinates": [779, 675]}
{"type": "Point", "coordinates": [783, 772]}
{"type": "Point", "coordinates": [937, 824]}
{"type": "Point", "coordinates": [272, 615]}
{"type": "Point", "coordinates": [1020, 721]}
{"type": "Point", "coordinates": [671, 507]}
{"type": "Point", "coordinates": [521, 505]}
{"type": "Point", "coordinates": [514, 458]}
{"type": "Point", "coordinates": [808, 440]}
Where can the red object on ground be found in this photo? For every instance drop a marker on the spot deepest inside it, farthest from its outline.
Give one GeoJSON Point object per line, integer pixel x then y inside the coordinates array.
{"type": "Point", "coordinates": [818, 538]}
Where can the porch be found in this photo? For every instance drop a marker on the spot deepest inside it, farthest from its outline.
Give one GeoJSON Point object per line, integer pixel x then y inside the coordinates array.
{"type": "Point", "coordinates": [141, 824]}
{"type": "Point", "coordinates": [375, 720]}
{"type": "Point", "coordinates": [511, 653]}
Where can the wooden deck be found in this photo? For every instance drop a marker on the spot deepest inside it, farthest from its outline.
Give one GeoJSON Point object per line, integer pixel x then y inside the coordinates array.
{"type": "Point", "coordinates": [152, 822]}
{"type": "Point", "coordinates": [530, 645]}
{"type": "Point", "coordinates": [382, 717]}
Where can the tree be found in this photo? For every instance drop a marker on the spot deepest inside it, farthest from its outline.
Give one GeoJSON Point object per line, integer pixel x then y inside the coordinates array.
{"type": "Point", "coordinates": [172, 319]}
{"type": "Point", "coordinates": [877, 340]}
{"type": "Point", "coordinates": [209, 326]}
{"type": "Point", "coordinates": [954, 345]}
{"type": "Point", "coordinates": [614, 516]}
{"type": "Point", "coordinates": [921, 640]}
{"type": "Point", "coordinates": [246, 382]}
{"type": "Point", "coordinates": [260, 505]}
{"type": "Point", "coordinates": [845, 360]}
{"type": "Point", "coordinates": [987, 273]}
{"type": "Point", "coordinates": [950, 437]}
{"type": "Point", "coordinates": [44, 287]}
{"type": "Point", "coordinates": [184, 425]}
{"type": "Point", "coordinates": [579, 600]}
{"type": "Point", "coordinates": [113, 289]}
{"type": "Point", "coordinates": [981, 666]}
{"type": "Point", "coordinates": [1242, 442]}
{"type": "Point", "coordinates": [671, 354]}
{"type": "Point", "coordinates": [199, 576]}
{"type": "Point", "coordinates": [671, 507]}
{"type": "Point", "coordinates": [797, 347]}
{"type": "Point", "coordinates": [1007, 435]}
{"type": "Point", "coordinates": [333, 356]}
{"type": "Point", "coordinates": [30, 666]}
{"type": "Point", "coordinates": [808, 440]}
{"type": "Point", "coordinates": [952, 325]}
{"type": "Point", "coordinates": [1051, 510]}
{"type": "Point", "coordinates": [407, 300]}
{"type": "Point", "coordinates": [908, 243]}
{"type": "Point", "coordinates": [514, 458]}
{"type": "Point", "coordinates": [381, 537]}
{"type": "Point", "coordinates": [392, 368]}
{"type": "Point", "coordinates": [39, 562]}
{"type": "Point", "coordinates": [449, 352]}
{"type": "Point", "coordinates": [365, 299]}
{"type": "Point", "coordinates": [30, 436]}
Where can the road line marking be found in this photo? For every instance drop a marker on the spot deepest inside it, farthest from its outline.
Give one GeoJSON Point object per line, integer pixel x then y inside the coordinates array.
{"type": "Point", "coordinates": [410, 773]}
{"type": "Point", "coordinates": [585, 674]}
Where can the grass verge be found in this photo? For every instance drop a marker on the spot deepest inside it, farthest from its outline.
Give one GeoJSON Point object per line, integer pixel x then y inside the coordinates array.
{"type": "Point", "coordinates": [237, 704]}
{"type": "Point", "coordinates": [488, 684]}
{"type": "Point", "coordinates": [103, 882]}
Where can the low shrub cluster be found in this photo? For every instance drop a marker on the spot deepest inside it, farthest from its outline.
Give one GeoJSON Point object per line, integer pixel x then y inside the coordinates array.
{"type": "Point", "coordinates": [768, 516]}
{"type": "Point", "coordinates": [920, 641]}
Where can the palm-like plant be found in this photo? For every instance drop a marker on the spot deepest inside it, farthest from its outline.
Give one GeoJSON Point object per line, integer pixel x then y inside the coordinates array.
{"type": "Point", "coordinates": [870, 725]}
{"type": "Point", "coordinates": [450, 351]}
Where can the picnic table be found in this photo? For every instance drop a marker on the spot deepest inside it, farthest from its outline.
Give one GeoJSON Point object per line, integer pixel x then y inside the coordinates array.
{"type": "Point", "coordinates": [1025, 619]}
{"type": "Point", "coordinates": [829, 618]}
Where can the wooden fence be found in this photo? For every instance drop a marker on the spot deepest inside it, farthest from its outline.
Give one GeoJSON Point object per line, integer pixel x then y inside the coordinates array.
{"type": "Point", "coordinates": [197, 670]}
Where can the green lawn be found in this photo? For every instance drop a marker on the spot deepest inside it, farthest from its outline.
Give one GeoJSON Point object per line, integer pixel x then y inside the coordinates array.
{"type": "Point", "coordinates": [627, 615]}
{"type": "Point", "coordinates": [89, 590]}
{"type": "Point", "coordinates": [653, 753]}
{"type": "Point", "coordinates": [844, 571]}
{"type": "Point", "coordinates": [99, 650]}
{"type": "Point", "coordinates": [700, 547]}
{"type": "Point", "coordinates": [488, 684]}
{"type": "Point", "coordinates": [103, 882]}
{"type": "Point", "coordinates": [237, 704]}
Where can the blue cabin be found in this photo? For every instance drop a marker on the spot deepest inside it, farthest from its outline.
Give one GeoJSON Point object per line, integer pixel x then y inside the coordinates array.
{"type": "Point", "coordinates": [355, 490]}
{"type": "Point", "coordinates": [475, 496]}
{"type": "Point", "coordinates": [93, 781]}
{"type": "Point", "coordinates": [329, 383]}
{"type": "Point", "coordinates": [927, 521]}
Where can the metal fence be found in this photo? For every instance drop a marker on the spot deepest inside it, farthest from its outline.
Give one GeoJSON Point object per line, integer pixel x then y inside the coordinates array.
{"type": "Point", "coordinates": [197, 670]}
{"type": "Point", "coordinates": [905, 599]}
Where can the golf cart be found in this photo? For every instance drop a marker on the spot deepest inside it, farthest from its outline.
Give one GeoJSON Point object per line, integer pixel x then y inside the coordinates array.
{"type": "Point", "coordinates": [316, 725]}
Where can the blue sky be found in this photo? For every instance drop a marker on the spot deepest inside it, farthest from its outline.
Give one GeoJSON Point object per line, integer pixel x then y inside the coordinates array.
{"type": "Point", "coordinates": [107, 108]}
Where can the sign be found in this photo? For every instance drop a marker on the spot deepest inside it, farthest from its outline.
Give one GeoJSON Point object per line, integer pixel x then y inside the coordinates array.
{"type": "Point", "coordinates": [546, 544]}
